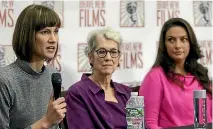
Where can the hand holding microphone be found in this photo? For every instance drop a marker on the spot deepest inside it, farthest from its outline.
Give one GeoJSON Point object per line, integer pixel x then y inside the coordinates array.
{"type": "Point", "coordinates": [57, 106]}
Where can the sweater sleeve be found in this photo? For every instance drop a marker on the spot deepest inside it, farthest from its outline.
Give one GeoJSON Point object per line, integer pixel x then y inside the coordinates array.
{"type": "Point", "coordinates": [6, 100]}
{"type": "Point", "coordinates": [77, 114]}
{"type": "Point", "coordinates": [152, 90]}
{"type": "Point", "coordinates": [5, 105]}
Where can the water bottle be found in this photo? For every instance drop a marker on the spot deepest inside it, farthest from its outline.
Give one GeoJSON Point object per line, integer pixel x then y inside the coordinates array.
{"type": "Point", "coordinates": [200, 117]}
{"type": "Point", "coordinates": [135, 111]}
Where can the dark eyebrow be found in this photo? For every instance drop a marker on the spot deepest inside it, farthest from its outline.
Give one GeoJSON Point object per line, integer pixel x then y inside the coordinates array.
{"type": "Point", "coordinates": [50, 29]}
{"type": "Point", "coordinates": [44, 29]}
{"type": "Point", "coordinates": [101, 48]}
{"type": "Point", "coordinates": [184, 36]}
{"type": "Point", "coordinates": [113, 49]}
{"type": "Point", "coordinates": [169, 37]}
{"type": "Point", "coordinates": [175, 37]}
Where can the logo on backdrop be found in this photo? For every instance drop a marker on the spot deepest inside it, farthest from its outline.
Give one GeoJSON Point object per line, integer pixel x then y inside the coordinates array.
{"type": "Point", "coordinates": [7, 55]}
{"type": "Point", "coordinates": [58, 6]}
{"type": "Point", "coordinates": [92, 13]}
{"type": "Point", "coordinates": [56, 63]}
{"type": "Point", "coordinates": [6, 13]}
{"type": "Point", "coordinates": [132, 55]}
{"type": "Point", "coordinates": [202, 11]}
{"type": "Point", "coordinates": [206, 49]}
{"type": "Point", "coordinates": [83, 63]}
{"type": "Point", "coordinates": [132, 13]}
{"type": "Point", "coordinates": [167, 10]}
{"type": "Point", "coordinates": [2, 60]}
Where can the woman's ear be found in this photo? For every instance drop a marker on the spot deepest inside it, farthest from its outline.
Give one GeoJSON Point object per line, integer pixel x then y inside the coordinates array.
{"type": "Point", "coordinates": [90, 56]}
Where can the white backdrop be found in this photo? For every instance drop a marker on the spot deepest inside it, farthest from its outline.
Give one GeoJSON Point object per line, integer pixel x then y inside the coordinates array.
{"type": "Point", "coordinates": [140, 31]}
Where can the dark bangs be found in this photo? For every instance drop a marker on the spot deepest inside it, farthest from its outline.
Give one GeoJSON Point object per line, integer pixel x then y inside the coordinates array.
{"type": "Point", "coordinates": [47, 18]}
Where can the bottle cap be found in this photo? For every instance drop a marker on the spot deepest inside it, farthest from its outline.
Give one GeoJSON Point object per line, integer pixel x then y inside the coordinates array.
{"type": "Point", "coordinates": [134, 93]}
{"type": "Point", "coordinates": [199, 94]}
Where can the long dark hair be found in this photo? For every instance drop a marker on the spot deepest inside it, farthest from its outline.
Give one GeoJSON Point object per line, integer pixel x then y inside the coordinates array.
{"type": "Point", "coordinates": [191, 64]}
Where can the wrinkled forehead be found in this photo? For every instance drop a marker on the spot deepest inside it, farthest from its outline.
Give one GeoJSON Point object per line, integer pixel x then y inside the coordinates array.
{"type": "Point", "coordinates": [103, 42]}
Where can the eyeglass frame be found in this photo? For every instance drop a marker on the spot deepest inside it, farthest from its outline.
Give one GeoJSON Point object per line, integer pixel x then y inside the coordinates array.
{"type": "Point", "coordinates": [119, 52]}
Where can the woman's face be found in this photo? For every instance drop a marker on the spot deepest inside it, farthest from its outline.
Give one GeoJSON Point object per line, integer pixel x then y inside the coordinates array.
{"type": "Point", "coordinates": [177, 44]}
{"type": "Point", "coordinates": [105, 58]}
{"type": "Point", "coordinates": [46, 43]}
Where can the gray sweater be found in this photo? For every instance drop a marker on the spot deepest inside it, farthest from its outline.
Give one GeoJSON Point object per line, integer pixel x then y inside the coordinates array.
{"type": "Point", "coordinates": [24, 95]}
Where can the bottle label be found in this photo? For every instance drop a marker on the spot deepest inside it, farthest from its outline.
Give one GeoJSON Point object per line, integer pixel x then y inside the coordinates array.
{"type": "Point", "coordinates": [135, 118]}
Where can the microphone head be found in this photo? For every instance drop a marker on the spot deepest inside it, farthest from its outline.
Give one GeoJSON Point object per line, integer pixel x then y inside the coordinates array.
{"type": "Point", "coordinates": [56, 78]}
{"type": "Point", "coordinates": [56, 82]}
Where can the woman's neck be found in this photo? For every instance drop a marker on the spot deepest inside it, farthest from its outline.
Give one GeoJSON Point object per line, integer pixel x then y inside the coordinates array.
{"type": "Point", "coordinates": [37, 65]}
{"type": "Point", "coordinates": [180, 68]}
{"type": "Point", "coordinates": [101, 80]}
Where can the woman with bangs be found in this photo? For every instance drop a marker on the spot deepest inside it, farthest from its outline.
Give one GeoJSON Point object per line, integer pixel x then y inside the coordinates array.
{"type": "Point", "coordinates": [26, 98]}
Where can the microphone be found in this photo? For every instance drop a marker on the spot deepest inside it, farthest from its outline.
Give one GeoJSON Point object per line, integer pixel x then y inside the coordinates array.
{"type": "Point", "coordinates": [56, 82]}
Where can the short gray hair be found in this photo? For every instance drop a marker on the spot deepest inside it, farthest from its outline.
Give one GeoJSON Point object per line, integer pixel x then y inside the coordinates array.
{"type": "Point", "coordinates": [107, 33]}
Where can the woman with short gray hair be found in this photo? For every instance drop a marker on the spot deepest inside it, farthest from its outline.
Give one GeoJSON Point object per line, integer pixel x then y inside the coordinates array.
{"type": "Point", "coordinates": [97, 102]}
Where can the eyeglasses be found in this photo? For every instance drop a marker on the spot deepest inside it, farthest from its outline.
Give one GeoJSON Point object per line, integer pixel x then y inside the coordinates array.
{"type": "Point", "coordinates": [114, 53]}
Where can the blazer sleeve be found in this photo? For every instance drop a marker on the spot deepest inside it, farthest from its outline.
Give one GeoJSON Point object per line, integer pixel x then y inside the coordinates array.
{"type": "Point", "coordinates": [152, 90]}
{"type": "Point", "coordinates": [77, 114]}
